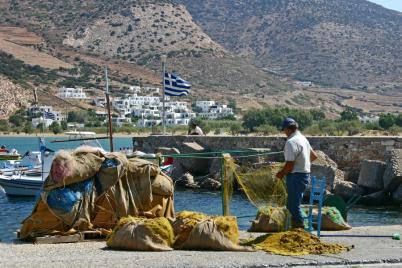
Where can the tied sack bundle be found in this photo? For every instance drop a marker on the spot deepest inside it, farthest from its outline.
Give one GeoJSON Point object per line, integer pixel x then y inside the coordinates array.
{"type": "Point", "coordinates": [331, 219]}
{"type": "Point", "coordinates": [142, 234]}
{"type": "Point", "coordinates": [270, 219]}
{"type": "Point", "coordinates": [197, 231]}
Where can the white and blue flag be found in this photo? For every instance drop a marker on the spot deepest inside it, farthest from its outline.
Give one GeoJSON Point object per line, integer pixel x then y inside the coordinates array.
{"type": "Point", "coordinates": [175, 86]}
{"type": "Point", "coordinates": [49, 115]}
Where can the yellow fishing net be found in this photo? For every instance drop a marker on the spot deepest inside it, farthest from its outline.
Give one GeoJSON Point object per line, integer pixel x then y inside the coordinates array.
{"type": "Point", "coordinates": [160, 226]}
{"type": "Point", "coordinates": [261, 187]}
{"type": "Point", "coordinates": [295, 242]}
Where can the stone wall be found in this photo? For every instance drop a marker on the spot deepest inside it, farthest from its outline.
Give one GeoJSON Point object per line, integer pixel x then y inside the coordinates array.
{"type": "Point", "coordinates": [347, 152]}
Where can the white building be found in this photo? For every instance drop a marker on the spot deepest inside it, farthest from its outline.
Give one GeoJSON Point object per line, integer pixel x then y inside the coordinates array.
{"type": "Point", "coordinates": [149, 122]}
{"type": "Point", "coordinates": [369, 119]}
{"type": "Point", "coordinates": [99, 102]}
{"type": "Point", "coordinates": [210, 110]}
{"type": "Point", "coordinates": [304, 83]}
{"type": "Point", "coordinates": [39, 110]}
{"type": "Point", "coordinates": [71, 93]}
{"type": "Point", "coordinates": [46, 112]}
{"type": "Point", "coordinates": [121, 120]}
{"type": "Point", "coordinates": [204, 106]}
{"type": "Point", "coordinates": [132, 103]}
{"type": "Point", "coordinates": [151, 90]}
{"type": "Point", "coordinates": [36, 121]}
{"type": "Point", "coordinates": [135, 89]}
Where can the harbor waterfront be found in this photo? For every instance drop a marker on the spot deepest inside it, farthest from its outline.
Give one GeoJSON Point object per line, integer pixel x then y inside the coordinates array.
{"type": "Point", "coordinates": [366, 221]}
{"type": "Point", "coordinates": [14, 209]}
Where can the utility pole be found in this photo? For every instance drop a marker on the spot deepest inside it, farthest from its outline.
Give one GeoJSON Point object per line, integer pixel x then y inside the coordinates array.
{"type": "Point", "coordinates": [109, 113]}
{"type": "Point", "coordinates": [163, 59]}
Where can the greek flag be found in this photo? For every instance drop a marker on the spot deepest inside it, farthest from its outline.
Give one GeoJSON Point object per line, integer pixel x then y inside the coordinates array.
{"type": "Point", "coordinates": [175, 86]}
{"type": "Point", "coordinates": [42, 145]}
{"type": "Point", "coordinates": [49, 115]}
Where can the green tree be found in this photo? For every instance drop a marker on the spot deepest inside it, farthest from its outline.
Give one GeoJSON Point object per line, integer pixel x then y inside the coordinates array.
{"type": "Point", "coordinates": [4, 126]}
{"type": "Point", "coordinates": [236, 128]}
{"type": "Point", "coordinates": [348, 115]}
{"type": "Point", "coordinates": [386, 120]}
{"type": "Point", "coordinates": [41, 127]}
{"type": "Point", "coordinates": [398, 120]}
{"type": "Point", "coordinates": [267, 129]}
{"type": "Point", "coordinates": [77, 116]}
{"type": "Point", "coordinates": [55, 127]}
{"type": "Point", "coordinates": [63, 125]}
{"type": "Point", "coordinates": [17, 120]}
{"type": "Point", "coordinates": [252, 119]}
{"type": "Point", "coordinates": [28, 128]}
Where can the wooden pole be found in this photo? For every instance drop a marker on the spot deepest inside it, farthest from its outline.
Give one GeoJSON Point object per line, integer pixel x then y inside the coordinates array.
{"type": "Point", "coordinates": [109, 113]}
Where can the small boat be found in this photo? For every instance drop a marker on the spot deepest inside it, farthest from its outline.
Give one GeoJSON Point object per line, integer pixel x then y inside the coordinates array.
{"type": "Point", "coordinates": [29, 161]}
{"type": "Point", "coordinates": [21, 185]}
{"type": "Point", "coordinates": [9, 155]}
{"type": "Point", "coordinates": [28, 182]}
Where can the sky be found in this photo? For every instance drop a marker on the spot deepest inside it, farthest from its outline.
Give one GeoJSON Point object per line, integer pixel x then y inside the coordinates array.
{"type": "Point", "coordinates": [391, 4]}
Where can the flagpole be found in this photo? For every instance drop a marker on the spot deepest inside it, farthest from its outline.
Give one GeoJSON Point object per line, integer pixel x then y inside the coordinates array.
{"type": "Point", "coordinates": [110, 130]}
{"type": "Point", "coordinates": [163, 59]}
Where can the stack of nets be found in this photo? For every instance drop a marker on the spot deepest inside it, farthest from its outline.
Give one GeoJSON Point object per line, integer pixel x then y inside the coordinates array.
{"type": "Point", "coordinates": [331, 219]}
{"type": "Point", "coordinates": [195, 231]}
{"type": "Point", "coordinates": [294, 243]}
{"type": "Point", "coordinates": [264, 191]}
{"type": "Point", "coordinates": [137, 233]}
{"type": "Point", "coordinates": [190, 231]}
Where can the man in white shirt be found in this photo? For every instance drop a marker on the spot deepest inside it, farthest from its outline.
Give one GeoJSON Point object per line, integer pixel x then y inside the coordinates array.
{"type": "Point", "coordinates": [195, 129]}
{"type": "Point", "coordinates": [298, 157]}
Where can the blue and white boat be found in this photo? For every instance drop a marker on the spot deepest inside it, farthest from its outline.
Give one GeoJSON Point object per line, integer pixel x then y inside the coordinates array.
{"type": "Point", "coordinates": [25, 177]}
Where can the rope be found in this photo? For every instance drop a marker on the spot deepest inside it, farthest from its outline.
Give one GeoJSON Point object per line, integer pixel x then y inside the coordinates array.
{"type": "Point", "coordinates": [218, 155]}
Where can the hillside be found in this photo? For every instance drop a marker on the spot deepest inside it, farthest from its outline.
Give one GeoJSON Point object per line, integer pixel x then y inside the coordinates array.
{"type": "Point", "coordinates": [337, 42]}
{"type": "Point", "coordinates": [13, 97]}
{"type": "Point", "coordinates": [248, 51]}
{"type": "Point", "coordinates": [137, 33]}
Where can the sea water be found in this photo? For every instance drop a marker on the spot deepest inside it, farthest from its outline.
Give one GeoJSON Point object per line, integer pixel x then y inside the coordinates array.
{"type": "Point", "coordinates": [14, 209]}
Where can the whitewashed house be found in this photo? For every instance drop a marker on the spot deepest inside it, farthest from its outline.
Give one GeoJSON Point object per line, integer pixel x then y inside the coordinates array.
{"type": "Point", "coordinates": [211, 110]}
{"type": "Point", "coordinates": [46, 121]}
{"type": "Point", "coordinates": [71, 93]}
{"type": "Point", "coordinates": [47, 112]}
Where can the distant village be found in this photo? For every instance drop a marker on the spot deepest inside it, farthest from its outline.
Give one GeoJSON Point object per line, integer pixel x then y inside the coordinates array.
{"type": "Point", "coordinates": [143, 103]}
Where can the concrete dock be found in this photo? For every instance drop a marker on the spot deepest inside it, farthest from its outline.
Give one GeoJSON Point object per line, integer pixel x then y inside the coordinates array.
{"type": "Point", "coordinates": [371, 252]}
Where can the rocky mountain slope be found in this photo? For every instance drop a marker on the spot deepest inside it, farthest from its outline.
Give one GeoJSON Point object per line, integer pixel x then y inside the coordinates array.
{"type": "Point", "coordinates": [138, 32]}
{"type": "Point", "coordinates": [250, 51]}
{"type": "Point", "coordinates": [13, 97]}
{"type": "Point", "coordinates": [337, 42]}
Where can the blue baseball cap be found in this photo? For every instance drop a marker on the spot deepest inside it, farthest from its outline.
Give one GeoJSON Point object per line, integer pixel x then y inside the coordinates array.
{"type": "Point", "coordinates": [289, 122]}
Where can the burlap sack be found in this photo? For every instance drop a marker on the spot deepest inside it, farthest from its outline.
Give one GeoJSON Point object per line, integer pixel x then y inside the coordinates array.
{"type": "Point", "coordinates": [72, 168]}
{"type": "Point", "coordinates": [331, 219]}
{"type": "Point", "coordinates": [207, 235]}
{"type": "Point", "coordinates": [162, 185]}
{"type": "Point", "coordinates": [137, 235]}
{"type": "Point", "coordinates": [274, 221]}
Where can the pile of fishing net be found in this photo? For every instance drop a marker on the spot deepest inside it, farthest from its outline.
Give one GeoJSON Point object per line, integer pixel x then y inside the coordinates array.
{"type": "Point", "coordinates": [88, 189]}
{"type": "Point", "coordinates": [263, 190]}
{"type": "Point", "coordinates": [189, 231]}
{"type": "Point", "coordinates": [331, 219]}
{"type": "Point", "coordinates": [295, 242]}
{"type": "Point", "coordinates": [194, 230]}
{"type": "Point", "coordinates": [271, 219]}
{"type": "Point", "coordinates": [259, 184]}
{"type": "Point", "coordinates": [135, 233]}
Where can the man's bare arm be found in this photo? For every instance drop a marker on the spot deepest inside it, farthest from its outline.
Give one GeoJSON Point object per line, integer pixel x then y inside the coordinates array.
{"type": "Point", "coordinates": [286, 169]}
{"type": "Point", "coordinates": [313, 155]}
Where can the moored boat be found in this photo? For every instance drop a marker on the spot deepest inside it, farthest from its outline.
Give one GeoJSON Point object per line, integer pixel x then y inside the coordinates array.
{"type": "Point", "coordinates": [21, 185]}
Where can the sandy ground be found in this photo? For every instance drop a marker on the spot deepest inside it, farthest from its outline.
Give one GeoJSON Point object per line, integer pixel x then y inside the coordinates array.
{"type": "Point", "coordinates": [374, 252]}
